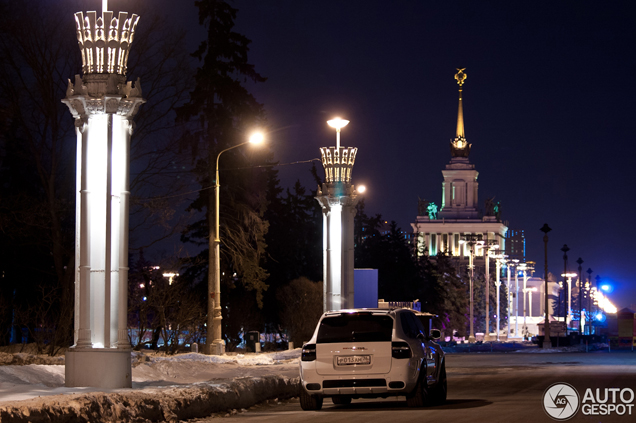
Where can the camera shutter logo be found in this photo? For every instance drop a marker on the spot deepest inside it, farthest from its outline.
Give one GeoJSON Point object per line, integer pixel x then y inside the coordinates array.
{"type": "Point", "coordinates": [561, 401]}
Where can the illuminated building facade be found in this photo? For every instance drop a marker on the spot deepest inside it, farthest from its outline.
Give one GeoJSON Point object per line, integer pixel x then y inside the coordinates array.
{"type": "Point", "coordinates": [516, 244]}
{"type": "Point", "coordinates": [459, 214]}
{"type": "Point", "coordinates": [103, 104]}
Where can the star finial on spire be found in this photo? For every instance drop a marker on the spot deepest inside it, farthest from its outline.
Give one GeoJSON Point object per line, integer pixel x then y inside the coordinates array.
{"type": "Point", "coordinates": [460, 76]}
{"type": "Point", "coordinates": [459, 146]}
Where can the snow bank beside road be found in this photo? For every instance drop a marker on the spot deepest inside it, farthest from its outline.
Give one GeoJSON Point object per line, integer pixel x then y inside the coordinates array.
{"type": "Point", "coordinates": [150, 370]}
{"type": "Point", "coordinates": [278, 357]}
{"type": "Point", "coordinates": [149, 405]}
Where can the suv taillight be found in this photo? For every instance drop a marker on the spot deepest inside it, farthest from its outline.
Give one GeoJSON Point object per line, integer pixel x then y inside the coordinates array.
{"type": "Point", "coordinates": [309, 352]}
{"type": "Point", "coordinates": [400, 350]}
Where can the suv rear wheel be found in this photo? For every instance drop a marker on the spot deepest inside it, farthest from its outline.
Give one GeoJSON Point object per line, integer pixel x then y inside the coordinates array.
{"type": "Point", "coordinates": [419, 397]}
{"type": "Point", "coordinates": [310, 402]}
{"type": "Point", "coordinates": [440, 391]}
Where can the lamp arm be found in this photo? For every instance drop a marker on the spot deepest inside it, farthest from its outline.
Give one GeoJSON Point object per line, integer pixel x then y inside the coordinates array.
{"type": "Point", "coordinates": [223, 151]}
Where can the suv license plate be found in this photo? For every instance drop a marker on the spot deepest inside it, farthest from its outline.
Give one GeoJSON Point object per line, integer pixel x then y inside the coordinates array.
{"type": "Point", "coordinates": [353, 359]}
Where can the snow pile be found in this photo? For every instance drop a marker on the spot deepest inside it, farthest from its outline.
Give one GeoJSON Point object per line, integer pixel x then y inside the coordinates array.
{"type": "Point", "coordinates": [33, 374]}
{"type": "Point", "coordinates": [278, 357]}
{"type": "Point", "coordinates": [25, 381]}
{"type": "Point", "coordinates": [165, 388]}
{"type": "Point", "coordinates": [21, 359]}
{"type": "Point", "coordinates": [163, 404]}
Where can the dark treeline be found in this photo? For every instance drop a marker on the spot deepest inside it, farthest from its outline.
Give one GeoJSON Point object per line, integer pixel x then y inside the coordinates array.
{"type": "Point", "coordinates": [271, 250]}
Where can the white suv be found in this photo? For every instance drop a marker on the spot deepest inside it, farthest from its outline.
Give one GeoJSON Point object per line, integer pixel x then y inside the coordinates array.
{"type": "Point", "coordinates": [370, 353]}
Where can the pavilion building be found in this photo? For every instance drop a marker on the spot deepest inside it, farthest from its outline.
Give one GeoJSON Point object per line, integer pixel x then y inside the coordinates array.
{"type": "Point", "coordinates": [459, 215]}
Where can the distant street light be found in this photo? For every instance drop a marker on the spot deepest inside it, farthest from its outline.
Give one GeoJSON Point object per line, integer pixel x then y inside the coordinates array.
{"type": "Point", "coordinates": [569, 276]}
{"type": "Point", "coordinates": [565, 250]}
{"type": "Point", "coordinates": [516, 262]}
{"type": "Point", "coordinates": [525, 268]}
{"type": "Point", "coordinates": [580, 262]}
{"type": "Point", "coordinates": [499, 260]}
{"type": "Point", "coordinates": [509, 265]}
{"type": "Point", "coordinates": [588, 290]}
{"type": "Point", "coordinates": [547, 342]}
{"type": "Point", "coordinates": [471, 240]}
{"type": "Point", "coordinates": [216, 344]}
{"type": "Point", "coordinates": [490, 246]}
{"type": "Point", "coordinates": [598, 283]}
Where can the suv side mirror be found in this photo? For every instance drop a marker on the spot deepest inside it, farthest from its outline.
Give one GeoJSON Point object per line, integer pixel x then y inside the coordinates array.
{"type": "Point", "coordinates": [435, 334]}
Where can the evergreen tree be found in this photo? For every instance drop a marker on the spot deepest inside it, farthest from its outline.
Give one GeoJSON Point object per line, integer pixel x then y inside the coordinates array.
{"type": "Point", "coordinates": [391, 254]}
{"type": "Point", "coordinates": [221, 111]}
{"type": "Point", "coordinates": [294, 247]}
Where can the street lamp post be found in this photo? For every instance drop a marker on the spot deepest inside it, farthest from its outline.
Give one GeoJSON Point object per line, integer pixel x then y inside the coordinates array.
{"type": "Point", "coordinates": [490, 245]}
{"type": "Point", "coordinates": [588, 290]}
{"type": "Point", "coordinates": [509, 295]}
{"type": "Point", "coordinates": [569, 277]}
{"type": "Point", "coordinates": [516, 297]}
{"type": "Point", "coordinates": [565, 250]}
{"type": "Point", "coordinates": [547, 342]}
{"type": "Point", "coordinates": [598, 283]}
{"type": "Point", "coordinates": [525, 268]}
{"type": "Point", "coordinates": [471, 240]}
{"type": "Point", "coordinates": [580, 262]}
{"type": "Point", "coordinates": [216, 344]}
{"type": "Point", "coordinates": [499, 259]}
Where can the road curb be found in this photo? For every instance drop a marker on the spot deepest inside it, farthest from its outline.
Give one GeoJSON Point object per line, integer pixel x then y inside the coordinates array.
{"type": "Point", "coordinates": [152, 405]}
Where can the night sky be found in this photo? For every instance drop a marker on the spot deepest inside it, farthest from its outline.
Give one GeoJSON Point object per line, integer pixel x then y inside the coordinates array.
{"type": "Point", "coordinates": [548, 108]}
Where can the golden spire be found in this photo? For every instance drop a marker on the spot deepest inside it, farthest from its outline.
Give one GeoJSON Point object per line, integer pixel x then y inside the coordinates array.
{"type": "Point", "coordinates": [459, 146]}
{"type": "Point", "coordinates": [460, 76]}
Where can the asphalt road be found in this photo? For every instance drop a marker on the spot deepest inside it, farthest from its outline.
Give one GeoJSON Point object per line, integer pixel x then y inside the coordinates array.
{"type": "Point", "coordinates": [487, 388]}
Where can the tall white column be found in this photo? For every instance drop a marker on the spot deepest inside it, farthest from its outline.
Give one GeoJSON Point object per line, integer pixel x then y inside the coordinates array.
{"type": "Point", "coordinates": [103, 104]}
{"type": "Point", "coordinates": [338, 199]}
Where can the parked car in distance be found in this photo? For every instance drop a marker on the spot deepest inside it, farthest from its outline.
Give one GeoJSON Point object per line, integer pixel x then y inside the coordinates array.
{"type": "Point", "coordinates": [371, 353]}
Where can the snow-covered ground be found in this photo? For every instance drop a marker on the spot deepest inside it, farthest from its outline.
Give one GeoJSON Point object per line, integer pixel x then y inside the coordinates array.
{"type": "Point", "coordinates": [25, 376]}
{"type": "Point", "coordinates": [165, 388]}
{"type": "Point", "coordinates": [25, 381]}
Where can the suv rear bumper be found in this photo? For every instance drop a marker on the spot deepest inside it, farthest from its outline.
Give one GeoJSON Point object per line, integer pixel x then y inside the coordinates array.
{"type": "Point", "coordinates": [392, 383]}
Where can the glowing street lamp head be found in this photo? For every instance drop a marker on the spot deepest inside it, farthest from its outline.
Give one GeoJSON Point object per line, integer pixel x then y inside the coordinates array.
{"type": "Point", "coordinates": [361, 189]}
{"type": "Point", "coordinates": [257, 138]}
{"type": "Point", "coordinates": [338, 124]}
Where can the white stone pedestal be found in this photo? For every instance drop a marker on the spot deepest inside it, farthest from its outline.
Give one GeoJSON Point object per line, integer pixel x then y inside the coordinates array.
{"type": "Point", "coordinates": [98, 368]}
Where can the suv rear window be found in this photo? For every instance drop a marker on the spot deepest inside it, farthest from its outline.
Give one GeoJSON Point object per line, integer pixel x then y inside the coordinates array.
{"type": "Point", "coordinates": [355, 328]}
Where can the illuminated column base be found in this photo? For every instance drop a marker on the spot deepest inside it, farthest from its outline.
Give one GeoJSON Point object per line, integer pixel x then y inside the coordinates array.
{"type": "Point", "coordinates": [98, 367]}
